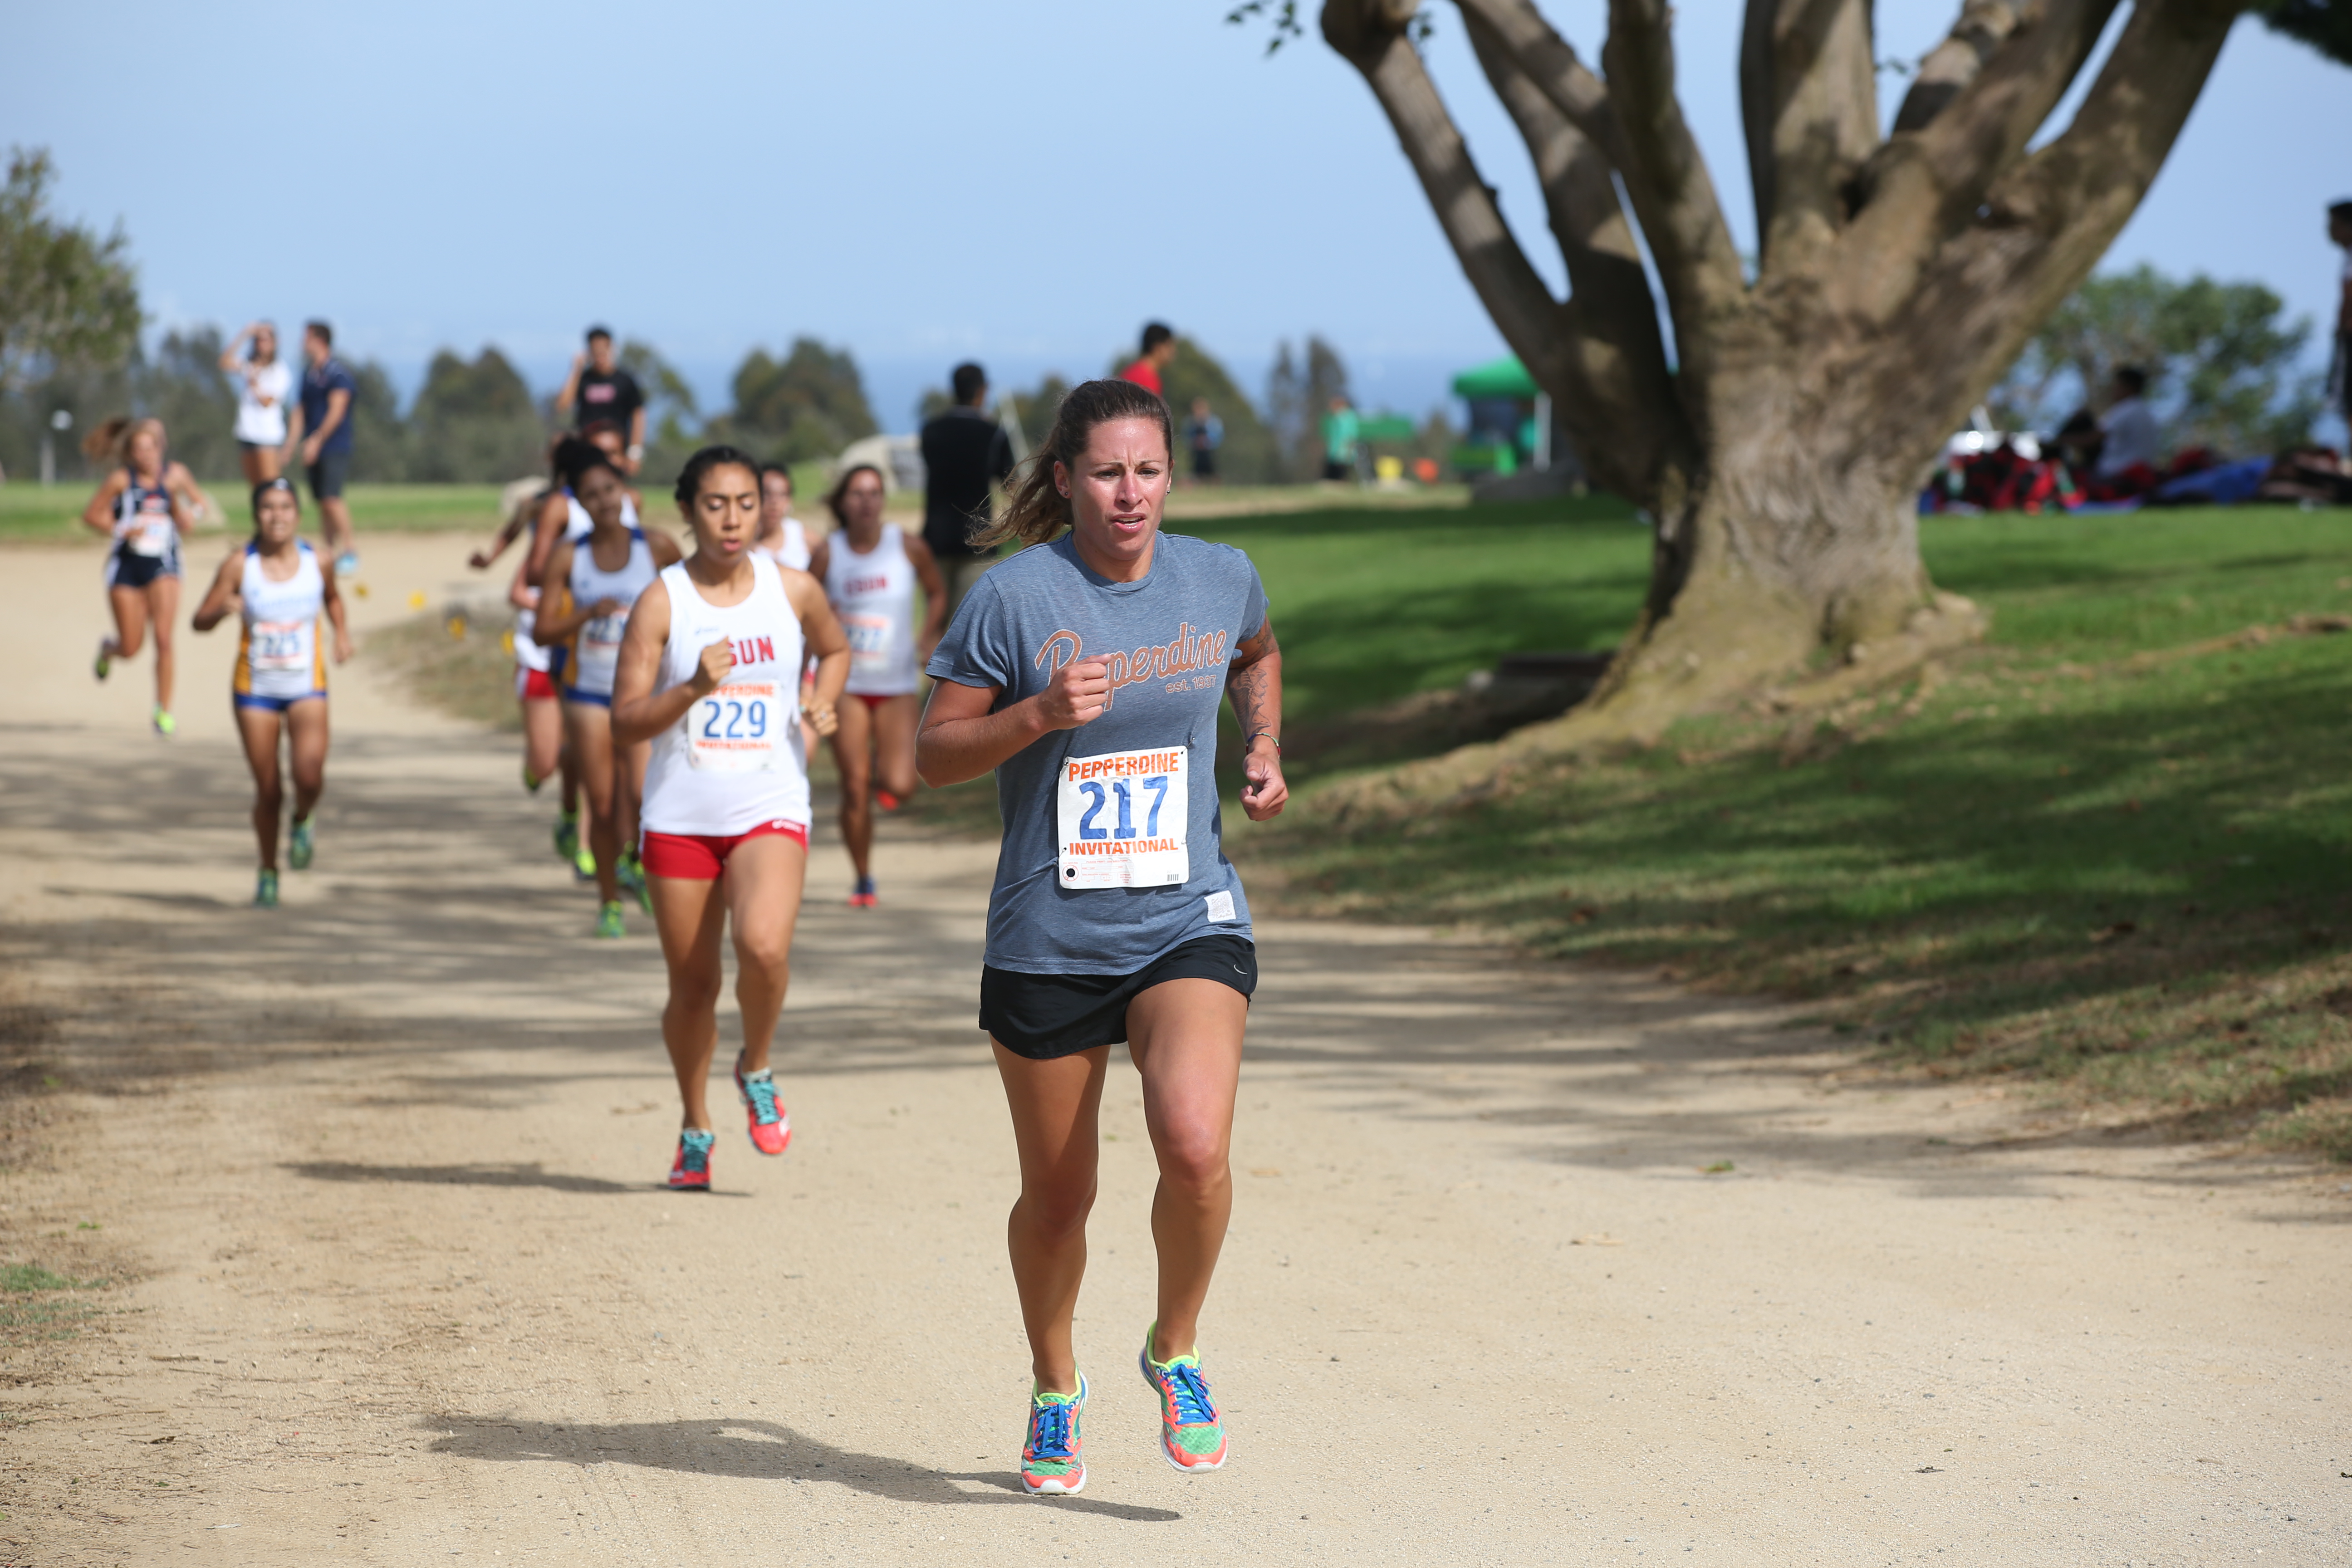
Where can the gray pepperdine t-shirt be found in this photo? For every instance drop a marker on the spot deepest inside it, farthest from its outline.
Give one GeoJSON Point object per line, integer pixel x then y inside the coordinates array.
{"type": "Point", "coordinates": [1099, 790]}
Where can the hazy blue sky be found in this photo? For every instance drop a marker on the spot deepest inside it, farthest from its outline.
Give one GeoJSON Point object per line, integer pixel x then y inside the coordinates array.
{"type": "Point", "coordinates": [919, 180]}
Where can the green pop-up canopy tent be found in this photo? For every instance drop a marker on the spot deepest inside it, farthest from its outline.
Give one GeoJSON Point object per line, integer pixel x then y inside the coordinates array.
{"type": "Point", "coordinates": [1506, 377]}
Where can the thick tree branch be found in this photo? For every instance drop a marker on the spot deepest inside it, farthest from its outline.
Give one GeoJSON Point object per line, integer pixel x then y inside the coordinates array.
{"type": "Point", "coordinates": [2047, 221]}
{"type": "Point", "coordinates": [1550, 62]}
{"type": "Point", "coordinates": [1673, 194]}
{"type": "Point", "coordinates": [1924, 187]}
{"type": "Point", "coordinates": [1809, 98]}
{"type": "Point", "coordinates": [1515, 295]}
{"type": "Point", "coordinates": [1951, 65]}
{"type": "Point", "coordinates": [1617, 398]}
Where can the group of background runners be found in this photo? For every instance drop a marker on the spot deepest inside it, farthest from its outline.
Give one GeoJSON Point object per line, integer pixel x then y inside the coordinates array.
{"type": "Point", "coordinates": [677, 694]}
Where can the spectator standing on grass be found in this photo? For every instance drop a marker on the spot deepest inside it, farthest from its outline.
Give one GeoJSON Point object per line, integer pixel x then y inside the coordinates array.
{"type": "Point", "coordinates": [964, 452]}
{"type": "Point", "coordinates": [2129, 426]}
{"type": "Point", "coordinates": [263, 384]}
{"type": "Point", "coordinates": [1159, 348]}
{"type": "Point", "coordinates": [321, 430]}
{"type": "Point", "coordinates": [1341, 427]}
{"type": "Point", "coordinates": [2339, 384]}
{"type": "Point", "coordinates": [1203, 432]}
{"type": "Point", "coordinates": [599, 389]}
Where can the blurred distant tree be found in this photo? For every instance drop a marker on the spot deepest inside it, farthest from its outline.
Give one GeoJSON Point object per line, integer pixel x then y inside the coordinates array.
{"type": "Point", "coordinates": [66, 297]}
{"type": "Point", "coordinates": [1033, 410]}
{"type": "Point", "coordinates": [186, 387]}
{"type": "Point", "coordinates": [475, 422]}
{"type": "Point", "coordinates": [673, 416]}
{"type": "Point", "coordinates": [1902, 263]}
{"type": "Point", "coordinates": [2225, 365]}
{"type": "Point", "coordinates": [1297, 393]}
{"type": "Point", "coordinates": [1248, 455]}
{"type": "Point", "coordinates": [811, 404]}
{"type": "Point", "coordinates": [380, 447]}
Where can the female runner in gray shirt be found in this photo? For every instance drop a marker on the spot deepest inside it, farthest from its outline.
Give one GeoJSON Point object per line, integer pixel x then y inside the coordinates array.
{"type": "Point", "coordinates": [1087, 672]}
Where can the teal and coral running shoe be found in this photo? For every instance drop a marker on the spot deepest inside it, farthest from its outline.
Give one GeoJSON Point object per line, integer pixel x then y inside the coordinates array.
{"type": "Point", "coordinates": [863, 896]}
{"type": "Point", "coordinates": [1050, 1466]}
{"type": "Point", "coordinates": [300, 846]}
{"type": "Point", "coordinates": [1192, 1438]}
{"type": "Point", "coordinates": [265, 891]}
{"type": "Point", "coordinates": [630, 873]}
{"type": "Point", "coordinates": [608, 919]}
{"type": "Point", "coordinates": [691, 1171]}
{"type": "Point", "coordinates": [771, 1125]}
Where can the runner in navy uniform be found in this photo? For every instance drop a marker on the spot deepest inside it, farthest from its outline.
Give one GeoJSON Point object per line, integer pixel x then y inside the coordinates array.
{"type": "Point", "coordinates": [143, 506]}
{"type": "Point", "coordinates": [1087, 672]}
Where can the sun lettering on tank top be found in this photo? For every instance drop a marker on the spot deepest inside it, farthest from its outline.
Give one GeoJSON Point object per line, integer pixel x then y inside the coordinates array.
{"type": "Point", "coordinates": [1171, 661]}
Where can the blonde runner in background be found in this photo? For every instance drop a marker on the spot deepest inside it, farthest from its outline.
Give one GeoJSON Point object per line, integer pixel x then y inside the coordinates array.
{"type": "Point", "coordinates": [709, 674]}
{"type": "Point", "coordinates": [870, 570]}
{"type": "Point", "coordinates": [1087, 672]}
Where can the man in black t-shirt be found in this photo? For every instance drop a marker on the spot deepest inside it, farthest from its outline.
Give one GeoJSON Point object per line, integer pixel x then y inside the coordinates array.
{"type": "Point", "coordinates": [964, 452]}
{"type": "Point", "coordinates": [599, 389]}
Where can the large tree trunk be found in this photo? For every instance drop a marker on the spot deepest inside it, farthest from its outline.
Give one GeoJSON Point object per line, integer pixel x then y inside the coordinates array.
{"type": "Point", "coordinates": [1781, 454]}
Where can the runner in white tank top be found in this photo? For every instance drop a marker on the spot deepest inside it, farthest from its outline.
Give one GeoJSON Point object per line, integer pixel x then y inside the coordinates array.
{"type": "Point", "coordinates": [539, 675]}
{"type": "Point", "coordinates": [870, 570]}
{"type": "Point", "coordinates": [585, 608]}
{"type": "Point", "coordinates": [782, 537]}
{"type": "Point", "coordinates": [279, 593]}
{"type": "Point", "coordinates": [785, 542]}
{"type": "Point", "coordinates": [709, 674]}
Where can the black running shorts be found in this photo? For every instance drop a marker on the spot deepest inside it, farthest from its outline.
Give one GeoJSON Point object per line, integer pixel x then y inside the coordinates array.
{"type": "Point", "coordinates": [1042, 1016]}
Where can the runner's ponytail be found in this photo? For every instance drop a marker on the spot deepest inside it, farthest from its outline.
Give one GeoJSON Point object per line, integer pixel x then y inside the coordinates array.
{"type": "Point", "coordinates": [1036, 510]}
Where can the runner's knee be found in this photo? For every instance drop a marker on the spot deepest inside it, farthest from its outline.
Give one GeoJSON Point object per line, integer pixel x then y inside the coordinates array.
{"type": "Point", "coordinates": [1192, 1154]}
{"type": "Point", "coordinates": [1059, 1211]}
{"type": "Point", "coordinates": [695, 987]}
{"type": "Point", "coordinates": [768, 951]}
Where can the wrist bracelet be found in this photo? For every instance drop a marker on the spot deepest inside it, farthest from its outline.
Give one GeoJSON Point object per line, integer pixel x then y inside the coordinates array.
{"type": "Point", "coordinates": [1263, 735]}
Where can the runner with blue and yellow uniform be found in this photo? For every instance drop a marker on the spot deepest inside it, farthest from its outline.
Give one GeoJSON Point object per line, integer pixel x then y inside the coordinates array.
{"type": "Point", "coordinates": [280, 594]}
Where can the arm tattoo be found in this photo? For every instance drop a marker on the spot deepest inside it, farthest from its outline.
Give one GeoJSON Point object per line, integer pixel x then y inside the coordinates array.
{"type": "Point", "coordinates": [1250, 687]}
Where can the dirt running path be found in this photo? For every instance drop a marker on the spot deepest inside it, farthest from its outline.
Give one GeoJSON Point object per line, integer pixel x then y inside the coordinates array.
{"type": "Point", "coordinates": [376, 1175]}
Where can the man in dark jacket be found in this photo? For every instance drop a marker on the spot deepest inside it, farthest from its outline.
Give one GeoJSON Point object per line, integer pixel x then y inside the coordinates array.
{"type": "Point", "coordinates": [964, 452]}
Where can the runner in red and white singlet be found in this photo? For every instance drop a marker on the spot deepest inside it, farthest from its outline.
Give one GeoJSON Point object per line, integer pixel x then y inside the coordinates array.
{"type": "Point", "coordinates": [870, 570]}
{"type": "Point", "coordinates": [709, 673]}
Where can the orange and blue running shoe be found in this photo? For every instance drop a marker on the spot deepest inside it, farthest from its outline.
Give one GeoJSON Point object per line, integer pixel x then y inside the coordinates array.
{"type": "Point", "coordinates": [771, 1125]}
{"type": "Point", "coordinates": [1192, 1438]}
{"type": "Point", "coordinates": [1050, 1466]}
{"type": "Point", "coordinates": [691, 1171]}
{"type": "Point", "coordinates": [863, 896]}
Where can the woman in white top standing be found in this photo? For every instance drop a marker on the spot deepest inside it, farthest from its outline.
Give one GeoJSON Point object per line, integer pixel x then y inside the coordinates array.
{"type": "Point", "coordinates": [870, 570]}
{"type": "Point", "coordinates": [708, 673]}
{"type": "Point", "coordinates": [264, 381]}
{"type": "Point", "coordinates": [280, 595]}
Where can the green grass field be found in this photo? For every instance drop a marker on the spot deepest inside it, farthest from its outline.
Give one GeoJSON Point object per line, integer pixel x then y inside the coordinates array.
{"type": "Point", "coordinates": [2109, 850]}
{"type": "Point", "coordinates": [2108, 853]}
{"type": "Point", "coordinates": [34, 513]}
